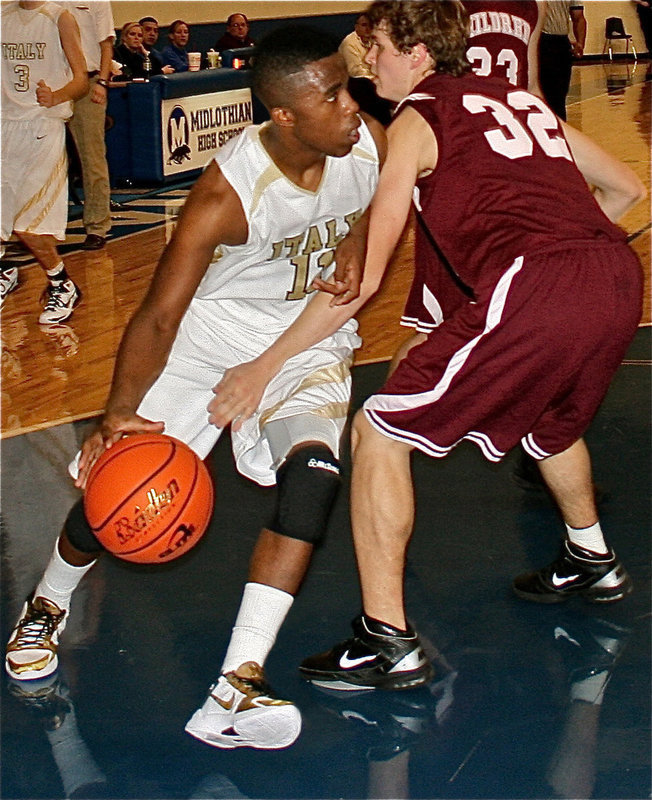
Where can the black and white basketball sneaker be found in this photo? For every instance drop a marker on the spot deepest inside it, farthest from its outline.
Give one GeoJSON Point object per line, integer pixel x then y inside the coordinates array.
{"type": "Point", "coordinates": [597, 578]}
{"type": "Point", "coordinates": [60, 298]}
{"type": "Point", "coordinates": [589, 646]}
{"type": "Point", "coordinates": [389, 723]}
{"type": "Point", "coordinates": [377, 657]}
{"type": "Point", "coordinates": [8, 282]}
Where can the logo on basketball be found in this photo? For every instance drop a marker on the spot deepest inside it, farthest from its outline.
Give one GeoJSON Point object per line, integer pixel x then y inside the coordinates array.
{"type": "Point", "coordinates": [149, 498]}
{"type": "Point", "coordinates": [180, 538]}
{"type": "Point", "coordinates": [127, 528]}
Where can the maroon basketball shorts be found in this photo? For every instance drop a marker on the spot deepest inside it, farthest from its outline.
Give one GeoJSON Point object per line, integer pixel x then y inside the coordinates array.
{"type": "Point", "coordinates": [434, 296]}
{"type": "Point", "coordinates": [529, 361]}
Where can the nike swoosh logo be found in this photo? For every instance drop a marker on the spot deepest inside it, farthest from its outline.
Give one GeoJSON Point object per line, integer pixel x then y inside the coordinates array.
{"type": "Point", "coordinates": [227, 705]}
{"type": "Point", "coordinates": [42, 137]}
{"type": "Point", "coordinates": [360, 717]}
{"type": "Point", "coordinates": [560, 633]}
{"type": "Point", "coordinates": [349, 663]}
{"type": "Point", "coordinates": [557, 581]}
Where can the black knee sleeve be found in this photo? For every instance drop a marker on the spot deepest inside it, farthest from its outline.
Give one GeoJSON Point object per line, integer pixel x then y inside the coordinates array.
{"type": "Point", "coordinates": [307, 484]}
{"type": "Point", "coordinates": [79, 531]}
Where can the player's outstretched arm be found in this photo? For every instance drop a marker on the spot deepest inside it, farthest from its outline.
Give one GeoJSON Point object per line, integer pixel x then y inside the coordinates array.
{"type": "Point", "coordinates": [345, 282]}
{"type": "Point", "coordinates": [615, 186]}
{"type": "Point", "coordinates": [411, 149]}
{"type": "Point", "coordinates": [212, 215]}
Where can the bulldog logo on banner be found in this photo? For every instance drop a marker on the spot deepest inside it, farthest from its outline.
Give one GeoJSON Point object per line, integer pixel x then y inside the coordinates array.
{"type": "Point", "coordinates": [195, 127]}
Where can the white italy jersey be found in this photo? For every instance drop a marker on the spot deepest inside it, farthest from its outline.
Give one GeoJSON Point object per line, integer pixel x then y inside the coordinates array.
{"type": "Point", "coordinates": [251, 293]}
{"type": "Point", "coordinates": [32, 51]}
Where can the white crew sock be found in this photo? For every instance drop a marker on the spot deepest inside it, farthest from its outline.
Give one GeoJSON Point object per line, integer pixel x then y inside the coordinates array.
{"type": "Point", "coordinates": [77, 766]}
{"type": "Point", "coordinates": [590, 538]}
{"type": "Point", "coordinates": [262, 612]}
{"type": "Point", "coordinates": [60, 580]}
{"type": "Point", "coordinates": [56, 271]}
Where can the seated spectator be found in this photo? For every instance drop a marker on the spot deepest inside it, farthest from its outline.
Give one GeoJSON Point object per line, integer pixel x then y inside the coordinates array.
{"type": "Point", "coordinates": [175, 54]}
{"type": "Point", "coordinates": [150, 38]}
{"type": "Point", "coordinates": [354, 48]}
{"type": "Point", "coordinates": [237, 34]}
{"type": "Point", "coordinates": [130, 53]}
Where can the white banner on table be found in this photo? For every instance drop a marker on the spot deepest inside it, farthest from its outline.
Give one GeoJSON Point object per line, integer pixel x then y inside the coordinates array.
{"type": "Point", "coordinates": [195, 127]}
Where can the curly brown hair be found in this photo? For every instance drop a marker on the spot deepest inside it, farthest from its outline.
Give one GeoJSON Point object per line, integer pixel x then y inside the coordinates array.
{"type": "Point", "coordinates": [441, 25]}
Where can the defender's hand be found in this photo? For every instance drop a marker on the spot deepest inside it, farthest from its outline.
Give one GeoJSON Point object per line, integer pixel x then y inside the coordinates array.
{"type": "Point", "coordinates": [238, 395]}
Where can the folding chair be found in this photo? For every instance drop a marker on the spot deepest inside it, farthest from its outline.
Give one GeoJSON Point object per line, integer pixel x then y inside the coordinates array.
{"type": "Point", "coordinates": [615, 29]}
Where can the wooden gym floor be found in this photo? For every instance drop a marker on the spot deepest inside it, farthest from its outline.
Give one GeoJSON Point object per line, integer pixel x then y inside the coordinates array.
{"type": "Point", "coordinates": [62, 373]}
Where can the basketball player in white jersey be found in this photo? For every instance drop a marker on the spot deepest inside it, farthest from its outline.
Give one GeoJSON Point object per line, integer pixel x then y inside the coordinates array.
{"type": "Point", "coordinates": [43, 71]}
{"type": "Point", "coordinates": [271, 215]}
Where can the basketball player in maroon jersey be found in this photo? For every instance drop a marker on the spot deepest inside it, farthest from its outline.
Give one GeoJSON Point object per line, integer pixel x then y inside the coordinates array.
{"type": "Point", "coordinates": [503, 43]}
{"type": "Point", "coordinates": [504, 39]}
{"type": "Point", "coordinates": [501, 185]}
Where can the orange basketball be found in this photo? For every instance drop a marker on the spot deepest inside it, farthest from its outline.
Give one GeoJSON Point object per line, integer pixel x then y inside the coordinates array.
{"type": "Point", "coordinates": [149, 498]}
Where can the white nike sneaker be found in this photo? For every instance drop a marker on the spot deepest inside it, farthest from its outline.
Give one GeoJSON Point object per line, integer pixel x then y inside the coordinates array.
{"type": "Point", "coordinates": [60, 300]}
{"type": "Point", "coordinates": [32, 648]}
{"type": "Point", "coordinates": [8, 282]}
{"type": "Point", "coordinates": [242, 711]}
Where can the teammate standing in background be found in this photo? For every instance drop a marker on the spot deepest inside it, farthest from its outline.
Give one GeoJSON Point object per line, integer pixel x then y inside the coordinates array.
{"type": "Point", "coordinates": [503, 42]}
{"type": "Point", "coordinates": [267, 217]}
{"type": "Point", "coordinates": [88, 123]}
{"type": "Point", "coordinates": [43, 71]}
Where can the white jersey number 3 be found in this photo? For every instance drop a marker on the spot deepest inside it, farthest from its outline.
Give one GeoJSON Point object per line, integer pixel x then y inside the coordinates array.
{"type": "Point", "coordinates": [22, 73]}
{"type": "Point", "coordinates": [513, 139]}
{"type": "Point", "coordinates": [481, 62]}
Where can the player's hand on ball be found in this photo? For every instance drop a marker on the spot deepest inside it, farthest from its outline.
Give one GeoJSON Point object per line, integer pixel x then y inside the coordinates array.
{"type": "Point", "coordinates": [111, 428]}
{"type": "Point", "coordinates": [237, 395]}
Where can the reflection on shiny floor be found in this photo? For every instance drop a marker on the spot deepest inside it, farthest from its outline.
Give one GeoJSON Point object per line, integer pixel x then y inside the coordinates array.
{"type": "Point", "coordinates": [528, 701]}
